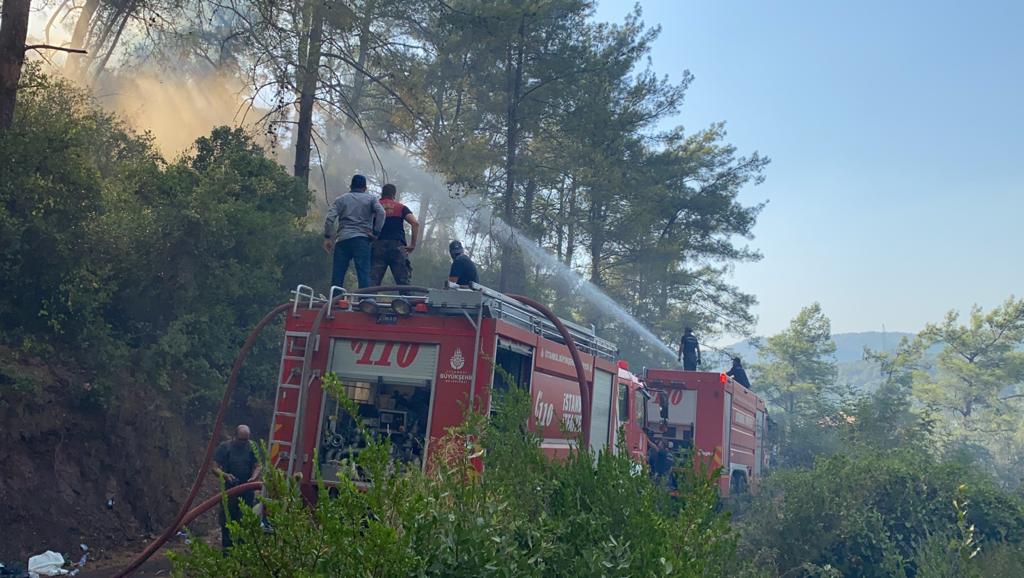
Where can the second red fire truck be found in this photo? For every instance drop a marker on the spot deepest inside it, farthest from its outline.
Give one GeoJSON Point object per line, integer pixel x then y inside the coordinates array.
{"type": "Point", "coordinates": [414, 363]}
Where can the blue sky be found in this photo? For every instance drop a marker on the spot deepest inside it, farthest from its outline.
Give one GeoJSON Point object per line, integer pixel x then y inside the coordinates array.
{"type": "Point", "coordinates": [896, 133]}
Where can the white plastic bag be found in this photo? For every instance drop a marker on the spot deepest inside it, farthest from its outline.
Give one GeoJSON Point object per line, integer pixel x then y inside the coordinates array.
{"type": "Point", "coordinates": [49, 563]}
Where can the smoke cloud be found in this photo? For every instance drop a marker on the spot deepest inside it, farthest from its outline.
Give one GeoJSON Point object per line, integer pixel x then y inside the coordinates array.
{"type": "Point", "coordinates": [175, 109]}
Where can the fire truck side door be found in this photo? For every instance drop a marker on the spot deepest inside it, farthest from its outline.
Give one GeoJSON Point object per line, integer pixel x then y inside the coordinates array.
{"type": "Point", "coordinates": [600, 415]}
{"type": "Point", "coordinates": [638, 441]}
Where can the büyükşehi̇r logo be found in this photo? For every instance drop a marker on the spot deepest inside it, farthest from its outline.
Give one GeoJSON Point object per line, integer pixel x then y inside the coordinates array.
{"type": "Point", "coordinates": [457, 361]}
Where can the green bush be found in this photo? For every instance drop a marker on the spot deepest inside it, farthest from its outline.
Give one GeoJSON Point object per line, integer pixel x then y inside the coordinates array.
{"type": "Point", "coordinates": [876, 513]}
{"type": "Point", "coordinates": [122, 260]}
{"type": "Point", "coordinates": [525, 516]}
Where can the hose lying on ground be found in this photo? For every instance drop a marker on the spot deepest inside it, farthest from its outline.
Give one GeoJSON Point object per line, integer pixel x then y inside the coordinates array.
{"type": "Point", "coordinates": [210, 447]}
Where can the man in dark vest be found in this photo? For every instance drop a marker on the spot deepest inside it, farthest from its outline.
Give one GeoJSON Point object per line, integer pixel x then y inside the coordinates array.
{"type": "Point", "coordinates": [689, 350]}
{"type": "Point", "coordinates": [463, 271]}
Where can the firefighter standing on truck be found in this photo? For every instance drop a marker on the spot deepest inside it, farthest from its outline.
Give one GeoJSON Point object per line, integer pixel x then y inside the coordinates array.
{"type": "Point", "coordinates": [689, 350]}
{"type": "Point", "coordinates": [390, 250]}
{"type": "Point", "coordinates": [352, 221]}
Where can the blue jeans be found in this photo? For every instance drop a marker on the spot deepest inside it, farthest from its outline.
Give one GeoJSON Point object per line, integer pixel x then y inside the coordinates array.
{"type": "Point", "coordinates": [356, 249]}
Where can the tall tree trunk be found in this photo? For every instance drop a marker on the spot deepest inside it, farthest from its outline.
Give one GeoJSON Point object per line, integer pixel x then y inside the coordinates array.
{"type": "Point", "coordinates": [560, 223]}
{"type": "Point", "coordinates": [426, 221]}
{"type": "Point", "coordinates": [512, 266]}
{"type": "Point", "coordinates": [302, 14]}
{"type": "Point", "coordinates": [530, 224]}
{"type": "Point", "coordinates": [359, 83]}
{"type": "Point", "coordinates": [102, 65]}
{"type": "Point", "coordinates": [570, 226]}
{"type": "Point", "coordinates": [596, 242]}
{"type": "Point", "coordinates": [564, 231]}
{"type": "Point", "coordinates": [13, 31]}
{"type": "Point", "coordinates": [73, 64]}
{"type": "Point", "coordinates": [307, 96]}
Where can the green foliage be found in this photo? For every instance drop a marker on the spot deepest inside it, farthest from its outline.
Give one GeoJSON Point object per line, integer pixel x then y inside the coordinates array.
{"type": "Point", "coordinates": [16, 382]}
{"type": "Point", "coordinates": [554, 119]}
{"type": "Point", "coordinates": [798, 364]}
{"type": "Point", "coordinates": [975, 385]}
{"type": "Point", "coordinates": [525, 516]}
{"type": "Point", "coordinates": [880, 513]}
{"type": "Point", "coordinates": [797, 375]}
{"type": "Point", "coordinates": [1000, 559]}
{"type": "Point", "coordinates": [126, 261]}
{"type": "Point", "coordinates": [887, 418]}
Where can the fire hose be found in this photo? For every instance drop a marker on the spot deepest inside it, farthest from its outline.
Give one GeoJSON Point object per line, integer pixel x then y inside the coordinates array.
{"type": "Point", "coordinates": [580, 375]}
{"type": "Point", "coordinates": [210, 446]}
{"type": "Point", "coordinates": [186, 513]}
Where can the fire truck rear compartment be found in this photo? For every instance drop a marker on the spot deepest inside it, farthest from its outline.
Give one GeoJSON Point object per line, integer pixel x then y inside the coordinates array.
{"type": "Point", "coordinates": [398, 412]}
{"type": "Point", "coordinates": [392, 386]}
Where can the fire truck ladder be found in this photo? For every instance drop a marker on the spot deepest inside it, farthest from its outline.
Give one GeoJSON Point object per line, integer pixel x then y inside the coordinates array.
{"type": "Point", "coordinates": [293, 350]}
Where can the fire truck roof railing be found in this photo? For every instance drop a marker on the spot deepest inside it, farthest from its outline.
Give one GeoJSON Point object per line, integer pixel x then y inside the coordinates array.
{"type": "Point", "coordinates": [455, 300]}
{"type": "Point", "coordinates": [500, 306]}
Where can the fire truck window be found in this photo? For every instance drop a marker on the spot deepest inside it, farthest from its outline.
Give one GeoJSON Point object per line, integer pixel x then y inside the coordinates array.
{"type": "Point", "coordinates": [511, 369]}
{"type": "Point", "coordinates": [623, 403]}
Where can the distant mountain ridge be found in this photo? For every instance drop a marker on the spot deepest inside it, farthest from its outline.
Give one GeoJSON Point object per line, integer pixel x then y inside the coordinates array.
{"type": "Point", "coordinates": [849, 346]}
{"type": "Point", "coordinates": [853, 369]}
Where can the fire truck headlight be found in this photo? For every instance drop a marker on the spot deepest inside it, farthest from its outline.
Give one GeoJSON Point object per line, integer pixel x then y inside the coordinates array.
{"type": "Point", "coordinates": [402, 307]}
{"type": "Point", "coordinates": [368, 306]}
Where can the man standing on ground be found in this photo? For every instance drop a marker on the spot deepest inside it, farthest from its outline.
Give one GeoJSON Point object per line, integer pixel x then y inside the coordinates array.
{"type": "Point", "coordinates": [689, 350]}
{"type": "Point", "coordinates": [463, 271]}
{"type": "Point", "coordinates": [738, 373]}
{"type": "Point", "coordinates": [352, 221]}
{"type": "Point", "coordinates": [390, 250]}
{"type": "Point", "coordinates": [236, 463]}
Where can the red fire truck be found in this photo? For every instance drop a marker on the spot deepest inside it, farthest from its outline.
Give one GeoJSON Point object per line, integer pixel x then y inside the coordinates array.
{"type": "Point", "coordinates": [414, 362]}
{"type": "Point", "coordinates": [722, 420]}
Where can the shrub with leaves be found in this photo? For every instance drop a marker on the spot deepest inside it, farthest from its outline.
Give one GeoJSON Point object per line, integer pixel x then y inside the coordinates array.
{"type": "Point", "coordinates": [524, 516]}
{"type": "Point", "coordinates": [119, 259]}
{"type": "Point", "coordinates": [878, 513]}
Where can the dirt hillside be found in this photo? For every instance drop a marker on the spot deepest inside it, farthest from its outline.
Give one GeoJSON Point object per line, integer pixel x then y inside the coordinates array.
{"type": "Point", "coordinates": [107, 475]}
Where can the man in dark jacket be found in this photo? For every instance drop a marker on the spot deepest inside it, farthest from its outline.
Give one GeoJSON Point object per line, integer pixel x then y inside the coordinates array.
{"type": "Point", "coordinates": [738, 373]}
{"type": "Point", "coordinates": [463, 271]}
{"type": "Point", "coordinates": [352, 221]}
{"type": "Point", "coordinates": [689, 350]}
{"type": "Point", "coordinates": [236, 463]}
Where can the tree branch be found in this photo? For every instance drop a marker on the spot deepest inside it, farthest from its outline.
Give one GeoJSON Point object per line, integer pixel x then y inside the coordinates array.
{"type": "Point", "coordinates": [40, 47]}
